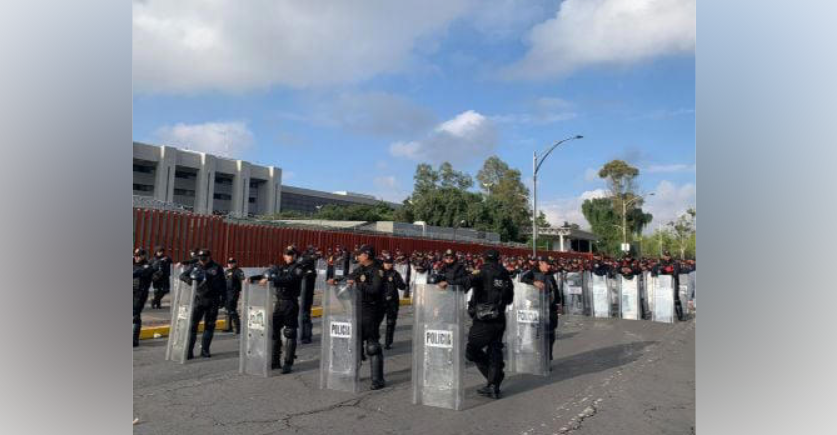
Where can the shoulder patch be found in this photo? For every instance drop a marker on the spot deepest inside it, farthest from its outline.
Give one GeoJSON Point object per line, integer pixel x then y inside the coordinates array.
{"type": "Point", "coordinates": [381, 273]}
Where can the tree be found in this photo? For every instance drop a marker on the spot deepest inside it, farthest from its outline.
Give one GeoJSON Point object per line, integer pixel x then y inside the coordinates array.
{"type": "Point", "coordinates": [683, 229]}
{"type": "Point", "coordinates": [448, 178]}
{"type": "Point", "coordinates": [508, 198]}
{"type": "Point", "coordinates": [602, 219]}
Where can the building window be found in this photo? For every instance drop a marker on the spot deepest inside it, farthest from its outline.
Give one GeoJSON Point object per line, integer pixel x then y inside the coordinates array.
{"type": "Point", "coordinates": [222, 196]}
{"type": "Point", "coordinates": [185, 175]}
{"type": "Point", "coordinates": [143, 187]}
{"type": "Point", "coordinates": [184, 192]}
{"type": "Point", "coordinates": [252, 200]}
{"type": "Point", "coordinates": [144, 169]}
{"type": "Point", "coordinates": [224, 181]}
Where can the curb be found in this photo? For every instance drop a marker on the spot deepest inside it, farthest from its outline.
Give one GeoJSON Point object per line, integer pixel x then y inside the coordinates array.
{"type": "Point", "coordinates": [151, 332]}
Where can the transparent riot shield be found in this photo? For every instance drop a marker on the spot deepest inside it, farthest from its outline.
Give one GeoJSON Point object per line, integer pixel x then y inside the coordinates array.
{"type": "Point", "coordinates": [340, 355]}
{"type": "Point", "coordinates": [573, 294]}
{"type": "Point", "coordinates": [439, 346]}
{"type": "Point", "coordinates": [599, 296]}
{"type": "Point", "coordinates": [649, 285]}
{"type": "Point", "coordinates": [663, 310]}
{"type": "Point", "coordinates": [183, 303]}
{"type": "Point", "coordinates": [685, 291]}
{"type": "Point", "coordinates": [402, 270]}
{"type": "Point", "coordinates": [693, 283]}
{"type": "Point", "coordinates": [613, 290]}
{"type": "Point", "coordinates": [629, 291]}
{"type": "Point", "coordinates": [256, 329]}
{"type": "Point", "coordinates": [527, 323]}
{"type": "Point", "coordinates": [419, 278]}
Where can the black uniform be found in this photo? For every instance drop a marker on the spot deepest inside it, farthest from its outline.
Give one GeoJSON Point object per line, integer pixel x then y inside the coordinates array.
{"type": "Point", "coordinates": [392, 283]}
{"type": "Point", "coordinates": [161, 279]}
{"type": "Point", "coordinates": [211, 284]}
{"type": "Point", "coordinates": [453, 273]}
{"type": "Point", "coordinates": [492, 288]}
{"type": "Point", "coordinates": [671, 267]}
{"type": "Point", "coordinates": [234, 276]}
{"type": "Point", "coordinates": [369, 281]}
{"type": "Point", "coordinates": [287, 281]}
{"type": "Point", "coordinates": [142, 282]}
{"type": "Point", "coordinates": [555, 298]}
{"type": "Point", "coordinates": [309, 266]}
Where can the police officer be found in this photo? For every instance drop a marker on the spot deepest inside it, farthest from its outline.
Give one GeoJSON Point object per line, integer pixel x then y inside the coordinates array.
{"type": "Point", "coordinates": [161, 277]}
{"type": "Point", "coordinates": [451, 271]}
{"type": "Point", "coordinates": [393, 281]}
{"type": "Point", "coordinates": [211, 283]}
{"type": "Point", "coordinates": [142, 282]}
{"type": "Point", "coordinates": [287, 281]}
{"type": "Point", "coordinates": [368, 277]}
{"type": "Point", "coordinates": [308, 262]}
{"type": "Point", "coordinates": [493, 292]}
{"type": "Point", "coordinates": [542, 278]}
{"type": "Point", "coordinates": [629, 269]}
{"type": "Point", "coordinates": [234, 276]}
{"type": "Point", "coordinates": [667, 266]}
{"type": "Point", "coordinates": [600, 267]}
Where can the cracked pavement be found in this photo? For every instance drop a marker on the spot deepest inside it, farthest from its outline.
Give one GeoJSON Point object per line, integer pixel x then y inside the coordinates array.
{"type": "Point", "coordinates": [609, 376]}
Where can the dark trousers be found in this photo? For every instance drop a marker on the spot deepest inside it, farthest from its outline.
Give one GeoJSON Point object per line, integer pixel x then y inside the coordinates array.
{"type": "Point", "coordinates": [285, 320]}
{"type": "Point", "coordinates": [550, 334]}
{"type": "Point", "coordinates": [485, 349]}
{"type": "Point", "coordinates": [391, 314]}
{"type": "Point", "coordinates": [208, 312]}
{"type": "Point", "coordinates": [140, 298]}
{"type": "Point", "coordinates": [306, 299]}
{"type": "Point", "coordinates": [160, 290]}
{"type": "Point", "coordinates": [231, 305]}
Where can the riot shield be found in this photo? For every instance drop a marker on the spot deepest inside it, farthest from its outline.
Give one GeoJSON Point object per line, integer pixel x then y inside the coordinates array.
{"type": "Point", "coordinates": [693, 283]}
{"type": "Point", "coordinates": [419, 278]}
{"type": "Point", "coordinates": [527, 349]}
{"type": "Point", "coordinates": [340, 356]}
{"type": "Point", "coordinates": [402, 270]}
{"type": "Point", "coordinates": [613, 290]}
{"type": "Point", "coordinates": [439, 346]}
{"type": "Point", "coordinates": [663, 310]}
{"type": "Point", "coordinates": [685, 288]}
{"type": "Point", "coordinates": [183, 304]}
{"type": "Point", "coordinates": [573, 294]}
{"type": "Point", "coordinates": [629, 291]}
{"type": "Point", "coordinates": [599, 296]}
{"type": "Point", "coordinates": [257, 329]}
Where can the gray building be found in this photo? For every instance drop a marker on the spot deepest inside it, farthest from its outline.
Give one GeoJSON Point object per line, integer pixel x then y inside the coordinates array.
{"type": "Point", "coordinates": [207, 184]}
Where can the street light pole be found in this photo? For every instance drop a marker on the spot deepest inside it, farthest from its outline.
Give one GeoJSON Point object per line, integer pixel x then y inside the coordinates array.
{"type": "Point", "coordinates": [536, 165]}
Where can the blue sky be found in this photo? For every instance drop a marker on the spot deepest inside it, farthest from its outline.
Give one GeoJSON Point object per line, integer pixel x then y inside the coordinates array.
{"type": "Point", "coordinates": [352, 96]}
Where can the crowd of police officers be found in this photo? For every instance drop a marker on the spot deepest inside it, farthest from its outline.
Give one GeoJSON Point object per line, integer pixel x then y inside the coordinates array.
{"type": "Point", "coordinates": [378, 282]}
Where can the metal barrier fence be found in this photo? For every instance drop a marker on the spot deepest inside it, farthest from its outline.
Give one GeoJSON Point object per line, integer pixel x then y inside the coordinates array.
{"type": "Point", "coordinates": [260, 244]}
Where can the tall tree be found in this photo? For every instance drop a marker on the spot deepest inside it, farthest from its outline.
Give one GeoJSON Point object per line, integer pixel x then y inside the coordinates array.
{"type": "Point", "coordinates": [683, 229]}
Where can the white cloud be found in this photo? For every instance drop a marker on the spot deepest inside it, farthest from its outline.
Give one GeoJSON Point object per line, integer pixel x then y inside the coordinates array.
{"type": "Point", "coordinates": [544, 110]}
{"type": "Point", "coordinates": [228, 139]}
{"type": "Point", "coordinates": [467, 136]}
{"type": "Point", "coordinates": [669, 201]}
{"type": "Point", "coordinates": [607, 32]}
{"type": "Point", "coordinates": [569, 209]}
{"type": "Point", "coordinates": [389, 188]}
{"type": "Point", "coordinates": [226, 45]}
{"type": "Point", "coordinates": [667, 169]}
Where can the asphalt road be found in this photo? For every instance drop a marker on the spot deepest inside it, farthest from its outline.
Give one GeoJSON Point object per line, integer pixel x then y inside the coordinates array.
{"type": "Point", "coordinates": [609, 376]}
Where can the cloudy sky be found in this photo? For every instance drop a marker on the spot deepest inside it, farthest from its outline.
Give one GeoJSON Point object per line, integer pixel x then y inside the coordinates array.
{"type": "Point", "coordinates": [352, 95]}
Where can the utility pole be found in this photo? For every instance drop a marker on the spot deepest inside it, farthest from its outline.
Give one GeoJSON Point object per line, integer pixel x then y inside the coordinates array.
{"type": "Point", "coordinates": [536, 165]}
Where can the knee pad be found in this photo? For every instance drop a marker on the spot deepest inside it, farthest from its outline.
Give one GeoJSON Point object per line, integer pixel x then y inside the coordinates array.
{"type": "Point", "coordinates": [290, 332]}
{"type": "Point", "coordinates": [474, 354]}
{"type": "Point", "coordinates": [373, 348]}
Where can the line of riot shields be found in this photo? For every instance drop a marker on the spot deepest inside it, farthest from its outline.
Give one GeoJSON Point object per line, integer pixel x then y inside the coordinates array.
{"type": "Point", "coordinates": [640, 297]}
{"type": "Point", "coordinates": [439, 328]}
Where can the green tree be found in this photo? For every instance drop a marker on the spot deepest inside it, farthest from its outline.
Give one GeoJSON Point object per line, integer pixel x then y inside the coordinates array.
{"type": "Point", "coordinates": [683, 229]}
{"type": "Point", "coordinates": [603, 222]}
{"type": "Point", "coordinates": [507, 197]}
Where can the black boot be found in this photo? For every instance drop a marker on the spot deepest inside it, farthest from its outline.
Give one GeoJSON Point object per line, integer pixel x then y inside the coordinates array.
{"type": "Point", "coordinates": [206, 341]}
{"type": "Point", "coordinates": [486, 390]}
{"type": "Point", "coordinates": [190, 353]}
{"type": "Point", "coordinates": [377, 366]}
{"type": "Point", "coordinates": [276, 357]}
{"type": "Point", "coordinates": [678, 308]}
{"type": "Point", "coordinates": [389, 337]}
{"type": "Point", "coordinates": [307, 332]}
{"type": "Point", "coordinates": [137, 329]}
{"type": "Point", "coordinates": [236, 321]}
{"type": "Point", "coordinates": [290, 355]}
{"type": "Point", "coordinates": [228, 327]}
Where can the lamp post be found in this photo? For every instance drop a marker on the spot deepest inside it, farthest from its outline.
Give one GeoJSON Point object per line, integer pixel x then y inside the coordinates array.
{"type": "Point", "coordinates": [536, 165]}
{"type": "Point", "coordinates": [625, 219]}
